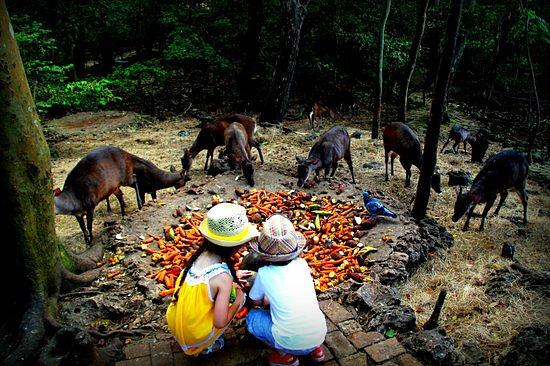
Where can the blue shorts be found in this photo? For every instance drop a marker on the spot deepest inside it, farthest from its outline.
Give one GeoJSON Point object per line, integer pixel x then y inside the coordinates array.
{"type": "Point", "coordinates": [259, 323]}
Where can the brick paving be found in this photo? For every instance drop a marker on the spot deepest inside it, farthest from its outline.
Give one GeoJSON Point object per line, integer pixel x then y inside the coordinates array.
{"type": "Point", "coordinates": [346, 344]}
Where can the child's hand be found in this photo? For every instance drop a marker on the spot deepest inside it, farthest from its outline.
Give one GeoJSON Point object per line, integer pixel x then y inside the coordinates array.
{"type": "Point", "coordinates": [242, 275]}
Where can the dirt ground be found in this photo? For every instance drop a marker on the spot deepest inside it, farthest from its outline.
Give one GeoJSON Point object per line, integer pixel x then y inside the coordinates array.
{"type": "Point", "coordinates": [469, 315]}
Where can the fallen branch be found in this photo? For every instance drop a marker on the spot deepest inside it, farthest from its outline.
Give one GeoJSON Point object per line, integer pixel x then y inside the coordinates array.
{"type": "Point", "coordinates": [434, 318]}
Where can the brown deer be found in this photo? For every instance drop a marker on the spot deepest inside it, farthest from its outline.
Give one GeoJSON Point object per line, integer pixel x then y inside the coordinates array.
{"type": "Point", "coordinates": [101, 173]}
{"type": "Point", "coordinates": [212, 135]}
{"type": "Point", "coordinates": [237, 148]}
{"type": "Point", "coordinates": [318, 111]}
{"type": "Point", "coordinates": [94, 178]}
{"type": "Point", "coordinates": [400, 140]}
{"type": "Point", "coordinates": [332, 146]}
{"type": "Point", "coordinates": [507, 169]}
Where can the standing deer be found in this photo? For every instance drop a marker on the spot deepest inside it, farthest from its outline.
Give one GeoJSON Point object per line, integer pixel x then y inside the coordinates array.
{"type": "Point", "coordinates": [329, 148]}
{"type": "Point", "coordinates": [400, 140]}
{"type": "Point", "coordinates": [507, 169]}
{"type": "Point", "coordinates": [237, 148]}
{"type": "Point", "coordinates": [212, 135]}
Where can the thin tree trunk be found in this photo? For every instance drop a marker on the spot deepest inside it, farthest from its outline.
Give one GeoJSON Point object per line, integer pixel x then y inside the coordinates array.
{"type": "Point", "coordinates": [378, 107]}
{"type": "Point", "coordinates": [437, 109]}
{"type": "Point", "coordinates": [293, 14]}
{"type": "Point", "coordinates": [413, 55]}
{"type": "Point", "coordinates": [535, 129]}
{"type": "Point", "coordinates": [32, 271]}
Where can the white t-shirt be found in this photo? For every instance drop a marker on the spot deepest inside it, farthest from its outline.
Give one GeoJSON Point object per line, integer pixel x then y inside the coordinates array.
{"type": "Point", "coordinates": [298, 323]}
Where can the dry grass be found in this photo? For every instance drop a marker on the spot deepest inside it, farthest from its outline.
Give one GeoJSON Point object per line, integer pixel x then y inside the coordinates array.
{"type": "Point", "coordinates": [468, 314]}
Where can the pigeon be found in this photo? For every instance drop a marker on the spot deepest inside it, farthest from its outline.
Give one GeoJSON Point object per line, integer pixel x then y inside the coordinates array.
{"type": "Point", "coordinates": [376, 207]}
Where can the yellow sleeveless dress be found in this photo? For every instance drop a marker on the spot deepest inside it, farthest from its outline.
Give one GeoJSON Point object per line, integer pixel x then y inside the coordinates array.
{"type": "Point", "coordinates": [191, 317]}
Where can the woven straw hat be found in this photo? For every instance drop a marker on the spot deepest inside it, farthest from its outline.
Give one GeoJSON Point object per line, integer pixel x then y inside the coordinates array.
{"type": "Point", "coordinates": [226, 225]}
{"type": "Point", "coordinates": [278, 241]}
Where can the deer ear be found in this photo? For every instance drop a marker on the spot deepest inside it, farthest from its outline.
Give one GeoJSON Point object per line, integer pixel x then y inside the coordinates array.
{"type": "Point", "coordinates": [56, 192]}
{"type": "Point", "coordinates": [298, 159]}
{"type": "Point", "coordinates": [172, 169]}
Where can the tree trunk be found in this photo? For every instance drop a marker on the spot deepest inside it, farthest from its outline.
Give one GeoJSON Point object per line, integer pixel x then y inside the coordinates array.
{"type": "Point", "coordinates": [535, 129]}
{"type": "Point", "coordinates": [429, 158]}
{"type": "Point", "coordinates": [413, 55]}
{"type": "Point", "coordinates": [378, 107]}
{"type": "Point", "coordinates": [293, 14]}
{"type": "Point", "coordinates": [249, 81]}
{"type": "Point", "coordinates": [32, 271]}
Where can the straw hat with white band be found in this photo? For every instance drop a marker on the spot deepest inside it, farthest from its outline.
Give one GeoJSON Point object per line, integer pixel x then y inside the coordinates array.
{"type": "Point", "coordinates": [226, 225]}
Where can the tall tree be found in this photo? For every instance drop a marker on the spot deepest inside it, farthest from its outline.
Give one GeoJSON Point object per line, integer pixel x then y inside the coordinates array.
{"type": "Point", "coordinates": [429, 157]}
{"type": "Point", "coordinates": [413, 55]}
{"type": "Point", "coordinates": [35, 268]}
{"type": "Point", "coordinates": [33, 275]}
{"type": "Point", "coordinates": [293, 14]}
{"type": "Point", "coordinates": [378, 107]}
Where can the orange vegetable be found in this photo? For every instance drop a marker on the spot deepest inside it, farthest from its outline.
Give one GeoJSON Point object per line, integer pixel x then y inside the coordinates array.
{"type": "Point", "coordinates": [168, 292]}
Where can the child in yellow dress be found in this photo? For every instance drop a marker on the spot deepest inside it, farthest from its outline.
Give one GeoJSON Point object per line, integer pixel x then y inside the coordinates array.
{"type": "Point", "coordinates": [201, 310]}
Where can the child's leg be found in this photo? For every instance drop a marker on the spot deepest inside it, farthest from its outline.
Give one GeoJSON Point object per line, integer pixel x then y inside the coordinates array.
{"type": "Point", "coordinates": [259, 323]}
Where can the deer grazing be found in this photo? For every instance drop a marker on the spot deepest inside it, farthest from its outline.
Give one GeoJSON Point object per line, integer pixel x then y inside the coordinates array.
{"type": "Point", "coordinates": [400, 140]}
{"type": "Point", "coordinates": [101, 173]}
{"type": "Point", "coordinates": [94, 178]}
{"type": "Point", "coordinates": [507, 169]}
{"type": "Point", "coordinates": [237, 149]}
{"type": "Point", "coordinates": [329, 148]}
{"type": "Point", "coordinates": [459, 134]}
{"type": "Point", "coordinates": [212, 135]}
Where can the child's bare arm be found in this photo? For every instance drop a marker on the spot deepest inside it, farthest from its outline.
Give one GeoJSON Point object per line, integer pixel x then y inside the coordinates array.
{"type": "Point", "coordinates": [222, 312]}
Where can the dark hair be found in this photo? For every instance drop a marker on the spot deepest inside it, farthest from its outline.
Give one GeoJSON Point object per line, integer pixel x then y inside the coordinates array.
{"type": "Point", "coordinates": [224, 252]}
{"type": "Point", "coordinates": [279, 264]}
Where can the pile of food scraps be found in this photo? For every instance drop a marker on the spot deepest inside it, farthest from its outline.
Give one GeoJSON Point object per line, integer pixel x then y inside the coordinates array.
{"type": "Point", "coordinates": [332, 230]}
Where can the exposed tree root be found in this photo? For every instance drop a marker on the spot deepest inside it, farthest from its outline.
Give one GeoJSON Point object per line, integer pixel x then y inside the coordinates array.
{"type": "Point", "coordinates": [28, 337]}
{"type": "Point", "coordinates": [70, 346]}
{"type": "Point", "coordinates": [72, 280]}
{"type": "Point", "coordinates": [87, 260]}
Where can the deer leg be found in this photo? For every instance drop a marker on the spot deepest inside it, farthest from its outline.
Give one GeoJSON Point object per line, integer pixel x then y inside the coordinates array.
{"type": "Point", "coordinates": [392, 160]}
{"type": "Point", "coordinates": [258, 147]}
{"type": "Point", "coordinates": [108, 204]}
{"type": "Point", "coordinates": [154, 195]}
{"type": "Point", "coordinates": [503, 196]}
{"type": "Point", "coordinates": [138, 195]}
{"type": "Point", "coordinates": [488, 206]}
{"type": "Point", "coordinates": [386, 162]}
{"type": "Point", "coordinates": [80, 220]}
{"type": "Point", "coordinates": [334, 166]}
{"type": "Point", "coordinates": [209, 154]}
{"type": "Point", "coordinates": [522, 193]}
{"type": "Point", "coordinates": [118, 195]}
{"type": "Point", "coordinates": [468, 217]}
{"type": "Point", "coordinates": [465, 147]}
{"type": "Point", "coordinates": [445, 144]}
{"type": "Point", "coordinates": [89, 222]}
{"type": "Point", "coordinates": [347, 158]}
{"type": "Point", "coordinates": [455, 146]}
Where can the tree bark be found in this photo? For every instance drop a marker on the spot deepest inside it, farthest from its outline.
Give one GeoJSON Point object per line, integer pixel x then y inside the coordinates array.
{"type": "Point", "coordinates": [32, 271]}
{"type": "Point", "coordinates": [535, 129]}
{"type": "Point", "coordinates": [378, 107]}
{"type": "Point", "coordinates": [437, 109]}
{"type": "Point", "coordinates": [293, 14]}
{"type": "Point", "coordinates": [413, 55]}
